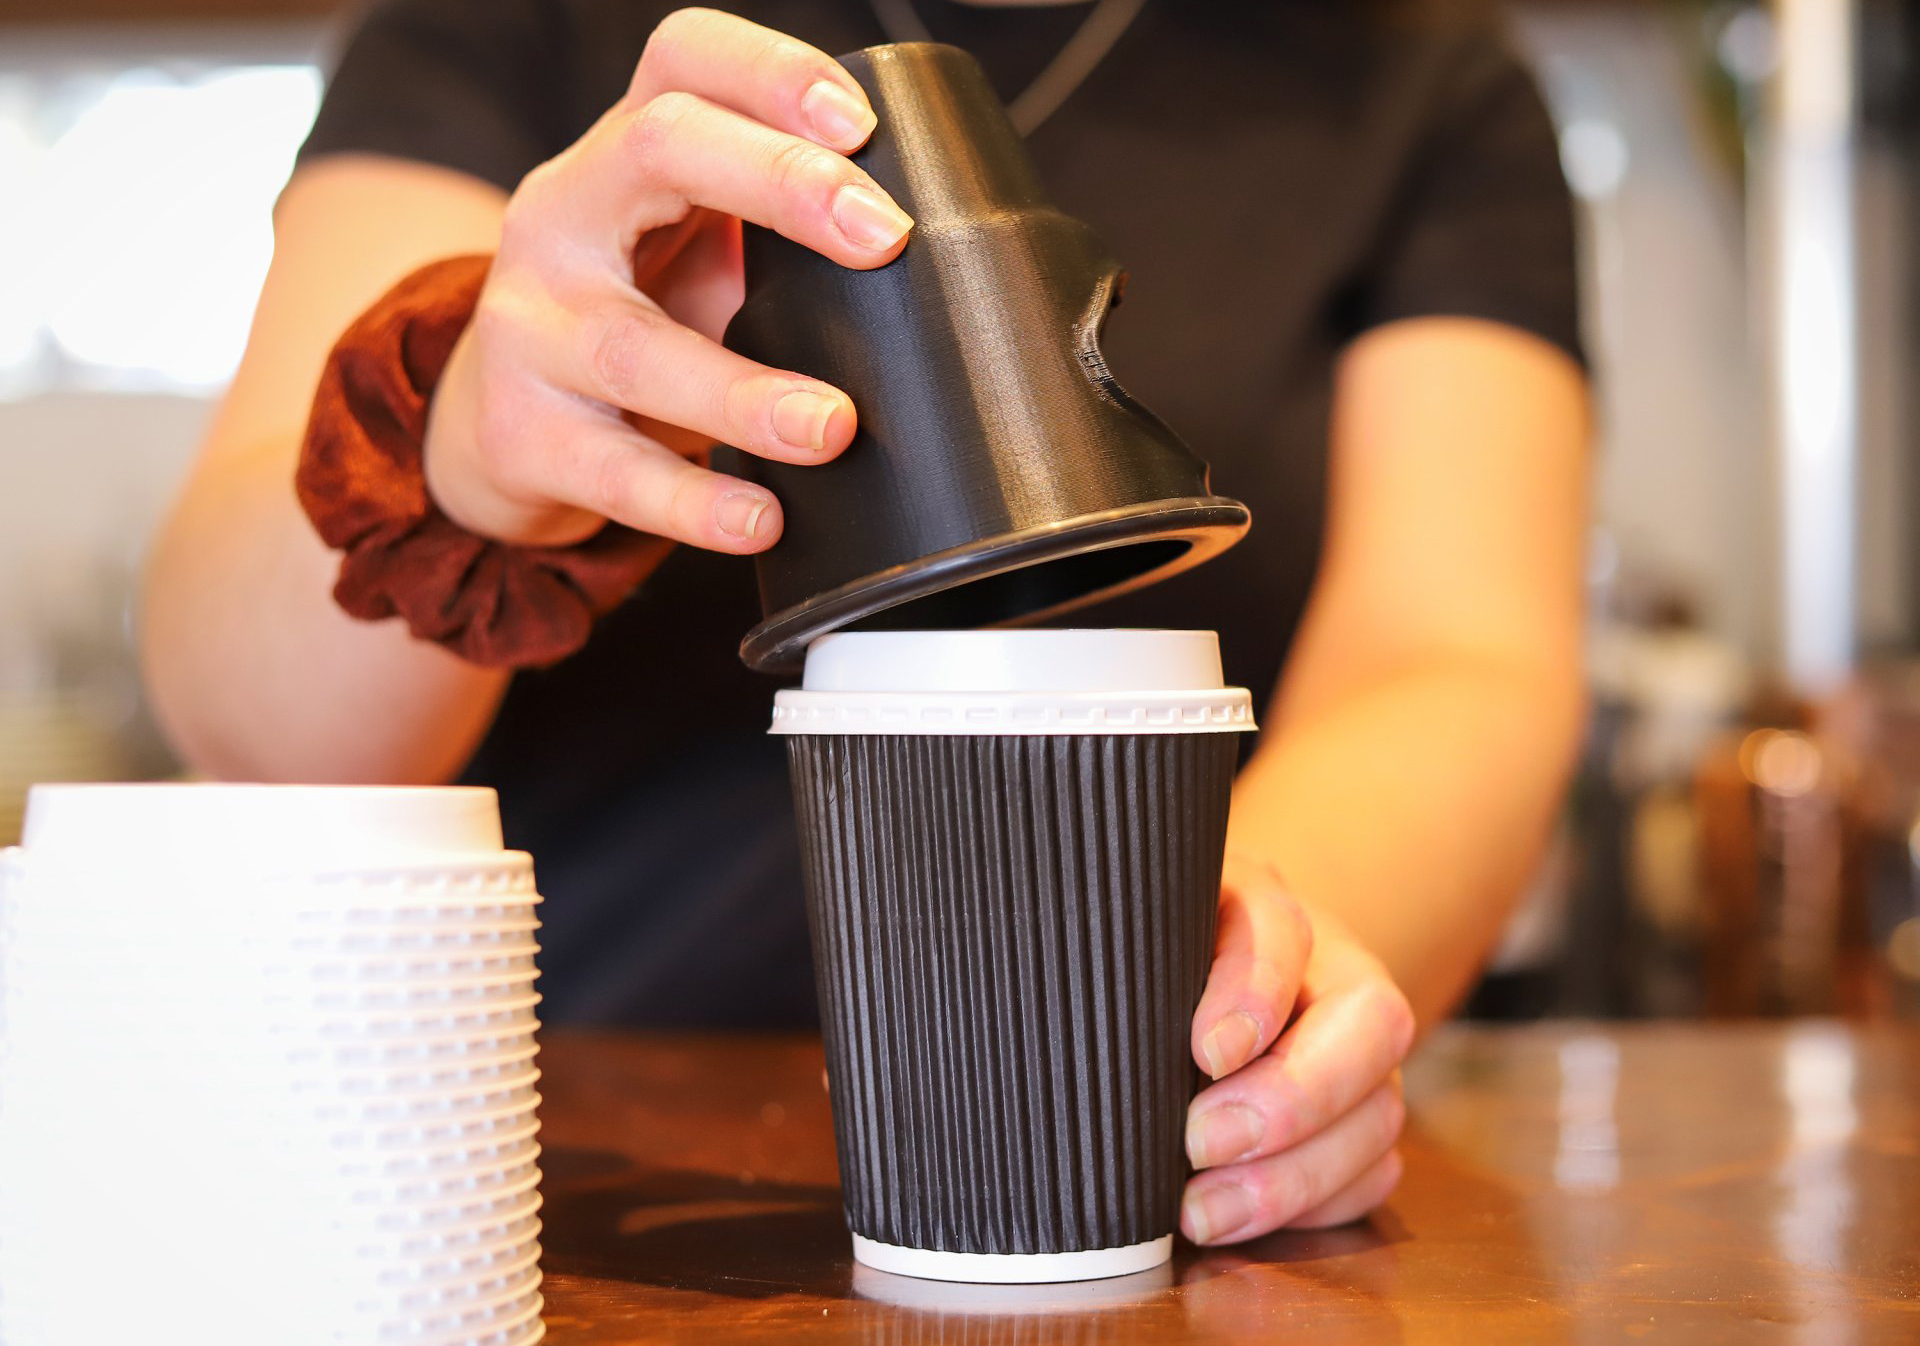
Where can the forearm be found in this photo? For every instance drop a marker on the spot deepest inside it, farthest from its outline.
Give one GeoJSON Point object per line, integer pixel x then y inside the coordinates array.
{"type": "Point", "coordinates": [1414, 807]}
{"type": "Point", "coordinates": [583, 400]}
{"type": "Point", "coordinates": [253, 671]}
{"type": "Point", "coordinates": [257, 675]}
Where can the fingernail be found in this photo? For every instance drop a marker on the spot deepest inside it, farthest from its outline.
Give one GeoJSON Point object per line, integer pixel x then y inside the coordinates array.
{"type": "Point", "coordinates": [741, 514]}
{"type": "Point", "coordinates": [1230, 1042]}
{"type": "Point", "coordinates": [1223, 1134]}
{"type": "Point", "coordinates": [869, 219]}
{"type": "Point", "coordinates": [838, 118]}
{"type": "Point", "coordinates": [801, 419]}
{"type": "Point", "coordinates": [1215, 1212]}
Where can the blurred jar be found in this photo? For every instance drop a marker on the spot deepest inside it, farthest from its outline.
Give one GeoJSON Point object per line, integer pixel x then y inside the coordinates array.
{"type": "Point", "coordinates": [1878, 721]}
{"type": "Point", "coordinates": [1664, 693]}
{"type": "Point", "coordinates": [1775, 828]}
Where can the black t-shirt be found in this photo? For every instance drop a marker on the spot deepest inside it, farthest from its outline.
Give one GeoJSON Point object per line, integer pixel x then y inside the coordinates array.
{"type": "Point", "coordinates": [1277, 175]}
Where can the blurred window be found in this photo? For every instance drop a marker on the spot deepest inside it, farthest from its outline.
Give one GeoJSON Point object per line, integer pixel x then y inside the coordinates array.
{"type": "Point", "coordinates": [136, 197]}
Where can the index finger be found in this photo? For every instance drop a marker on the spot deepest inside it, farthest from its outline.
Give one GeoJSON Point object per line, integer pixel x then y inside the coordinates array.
{"type": "Point", "coordinates": [756, 71]}
{"type": "Point", "coordinates": [1260, 957]}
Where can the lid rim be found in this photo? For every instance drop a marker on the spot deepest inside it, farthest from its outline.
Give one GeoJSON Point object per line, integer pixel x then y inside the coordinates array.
{"type": "Point", "coordinates": [1221, 710]}
{"type": "Point", "coordinates": [1208, 524]}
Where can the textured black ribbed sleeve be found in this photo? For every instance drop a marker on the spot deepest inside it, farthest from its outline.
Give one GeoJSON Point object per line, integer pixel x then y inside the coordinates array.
{"type": "Point", "coordinates": [465, 84]}
{"type": "Point", "coordinates": [1484, 222]}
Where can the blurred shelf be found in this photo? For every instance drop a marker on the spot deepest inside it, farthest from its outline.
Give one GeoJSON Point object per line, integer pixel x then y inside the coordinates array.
{"type": "Point", "coordinates": [69, 13]}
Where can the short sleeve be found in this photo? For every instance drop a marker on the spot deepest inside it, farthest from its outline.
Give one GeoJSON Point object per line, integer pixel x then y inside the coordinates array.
{"type": "Point", "coordinates": [464, 84]}
{"type": "Point", "coordinates": [1483, 226]}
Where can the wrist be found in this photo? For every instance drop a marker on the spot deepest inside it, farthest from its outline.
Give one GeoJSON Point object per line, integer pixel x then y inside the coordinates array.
{"type": "Point", "coordinates": [362, 480]}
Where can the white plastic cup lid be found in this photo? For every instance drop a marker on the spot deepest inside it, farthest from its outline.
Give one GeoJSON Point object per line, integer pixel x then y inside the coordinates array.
{"type": "Point", "coordinates": [247, 826]}
{"type": "Point", "coordinates": [1015, 661]}
{"type": "Point", "coordinates": [1014, 682]}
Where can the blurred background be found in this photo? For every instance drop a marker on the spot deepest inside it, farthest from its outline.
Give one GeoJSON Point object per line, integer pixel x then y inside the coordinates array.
{"type": "Point", "coordinates": [1745, 834]}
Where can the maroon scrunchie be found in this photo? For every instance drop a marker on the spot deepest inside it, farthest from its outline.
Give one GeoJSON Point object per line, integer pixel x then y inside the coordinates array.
{"type": "Point", "coordinates": [362, 482]}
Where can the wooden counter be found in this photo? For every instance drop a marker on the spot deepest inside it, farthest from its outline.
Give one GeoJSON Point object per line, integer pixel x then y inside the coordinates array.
{"type": "Point", "coordinates": [1686, 1184]}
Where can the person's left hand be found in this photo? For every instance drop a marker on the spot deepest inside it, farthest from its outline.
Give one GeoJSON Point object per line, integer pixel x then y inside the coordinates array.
{"type": "Point", "coordinates": [1299, 1128]}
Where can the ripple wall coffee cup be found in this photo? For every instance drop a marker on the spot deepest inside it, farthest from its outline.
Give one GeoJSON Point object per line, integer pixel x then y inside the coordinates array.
{"type": "Point", "coordinates": [1001, 472]}
{"type": "Point", "coordinates": [1012, 844]}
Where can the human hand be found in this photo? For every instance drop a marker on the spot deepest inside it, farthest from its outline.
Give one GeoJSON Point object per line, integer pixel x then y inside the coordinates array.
{"type": "Point", "coordinates": [590, 383]}
{"type": "Point", "coordinates": [1299, 1128]}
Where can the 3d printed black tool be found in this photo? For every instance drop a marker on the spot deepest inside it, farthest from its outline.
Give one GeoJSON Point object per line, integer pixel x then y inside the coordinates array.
{"type": "Point", "coordinates": [1001, 475]}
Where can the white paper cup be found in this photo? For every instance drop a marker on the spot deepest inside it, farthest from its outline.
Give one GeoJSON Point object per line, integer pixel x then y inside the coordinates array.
{"type": "Point", "coordinates": [458, 1163]}
{"type": "Point", "coordinates": [441, 1238]}
{"type": "Point", "coordinates": [505, 1322]}
{"type": "Point", "coordinates": [316, 829]}
{"type": "Point", "coordinates": [499, 1251]}
{"type": "Point", "coordinates": [428, 1133]}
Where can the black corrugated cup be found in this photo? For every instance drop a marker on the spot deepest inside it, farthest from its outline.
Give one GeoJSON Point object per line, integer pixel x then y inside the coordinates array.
{"type": "Point", "coordinates": [1013, 843]}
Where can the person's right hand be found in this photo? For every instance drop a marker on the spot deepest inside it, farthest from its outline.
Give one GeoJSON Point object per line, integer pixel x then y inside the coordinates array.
{"type": "Point", "coordinates": [591, 382]}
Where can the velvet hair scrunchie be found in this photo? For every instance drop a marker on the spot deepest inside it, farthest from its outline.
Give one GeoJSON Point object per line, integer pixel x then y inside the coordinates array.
{"type": "Point", "coordinates": [362, 482]}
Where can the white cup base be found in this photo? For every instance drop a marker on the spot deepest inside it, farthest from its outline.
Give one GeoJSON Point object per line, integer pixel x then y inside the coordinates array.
{"type": "Point", "coordinates": [1013, 1268]}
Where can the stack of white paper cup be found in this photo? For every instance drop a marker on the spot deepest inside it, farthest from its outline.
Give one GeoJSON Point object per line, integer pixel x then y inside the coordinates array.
{"type": "Point", "coordinates": [267, 1069]}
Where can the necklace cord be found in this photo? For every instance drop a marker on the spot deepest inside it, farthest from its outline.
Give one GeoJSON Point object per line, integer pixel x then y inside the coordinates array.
{"type": "Point", "coordinates": [1064, 74]}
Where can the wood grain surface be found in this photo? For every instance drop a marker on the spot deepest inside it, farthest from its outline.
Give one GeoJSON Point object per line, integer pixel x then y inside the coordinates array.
{"type": "Point", "coordinates": [1691, 1184]}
